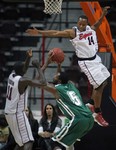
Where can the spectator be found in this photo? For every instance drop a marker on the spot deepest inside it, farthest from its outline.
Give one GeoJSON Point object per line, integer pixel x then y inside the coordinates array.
{"type": "Point", "coordinates": [49, 124]}
{"type": "Point", "coordinates": [4, 131]}
{"type": "Point", "coordinates": [10, 142]}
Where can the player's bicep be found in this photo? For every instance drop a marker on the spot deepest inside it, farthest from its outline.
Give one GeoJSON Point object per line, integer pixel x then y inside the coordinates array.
{"type": "Point", "coordinates": [64, 33]}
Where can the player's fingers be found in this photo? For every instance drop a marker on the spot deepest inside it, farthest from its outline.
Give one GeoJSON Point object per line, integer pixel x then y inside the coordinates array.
{"type": "Point", "coordinates": [50, 53]}
{"type": "Point", "coordinates": [27, 31]}
{"type": "Point", "coordinates": [107, 7]}
{"type": "Point", "coordinates": [34, 28]}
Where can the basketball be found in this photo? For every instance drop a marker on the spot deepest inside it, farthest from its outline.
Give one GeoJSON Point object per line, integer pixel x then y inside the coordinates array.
{"type": "Point", "coordinates": [58, 55]}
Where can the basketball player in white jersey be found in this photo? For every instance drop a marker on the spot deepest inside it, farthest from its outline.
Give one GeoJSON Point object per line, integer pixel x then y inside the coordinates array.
{"type": "Point", "coordinates": [83, 38]}
{"type": "Point", "coordinates": [16, 103]}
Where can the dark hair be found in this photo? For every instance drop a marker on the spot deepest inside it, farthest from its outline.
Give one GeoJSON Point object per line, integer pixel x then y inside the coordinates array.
{"type": "Point", "coordinates": [55, 115]}
{"type": "Point", "coordinates": [18, 68]}
{"type": "Point", "coordinates": [54, 120]}
{"type": "Point", "coordinates": [30, 117]}
{"type": "Point", "coordinates": [74, 73]}
{"type": "Point", "coordinates": [63, 77]}
{"type": "Point", "coordinates": [83, 17]}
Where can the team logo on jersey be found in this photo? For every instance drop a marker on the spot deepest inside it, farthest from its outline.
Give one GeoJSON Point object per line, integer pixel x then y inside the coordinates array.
{"type": "Point", "coordinates": [84, 36]}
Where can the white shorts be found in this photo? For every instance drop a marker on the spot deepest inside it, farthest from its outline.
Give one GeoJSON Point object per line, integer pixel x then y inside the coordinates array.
{"type": "Point", "coordinates": [20, 127]}
{"type": "Point", "coordinates": [96, 72]}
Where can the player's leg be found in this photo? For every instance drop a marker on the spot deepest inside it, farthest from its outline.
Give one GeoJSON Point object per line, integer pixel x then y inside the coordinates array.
{"type": "Point", "coordinates": [67, 137]}
{"type": "Point", "coordinates": [97, 96]}
{"type": "Point", "coordinates": [20, 128]}
{"type": "Point", "coordinates": [97, 75]}
{"type": "Point", "coordinates": [28, 146]}
{"type": "Point", "coordinates": [17, 147]}
{"type": "Point", "coordinates": [70, 147]}
{"type": "Point", "coordinates": [90, 105]}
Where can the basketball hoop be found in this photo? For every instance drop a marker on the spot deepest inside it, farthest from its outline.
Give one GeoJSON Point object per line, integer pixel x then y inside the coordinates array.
{"type": "Point", "coordinates": [53, 6]}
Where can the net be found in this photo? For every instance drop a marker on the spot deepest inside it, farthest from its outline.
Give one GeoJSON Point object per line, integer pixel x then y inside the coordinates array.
{"type": "Point", "coordinates": [53, 6]}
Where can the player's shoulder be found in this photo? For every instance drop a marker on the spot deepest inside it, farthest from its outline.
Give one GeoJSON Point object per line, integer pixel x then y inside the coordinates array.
{"type": "Point", "coordinates": [88, 27]}
{"type": "Point", "coordinates": [74, 27]}
{"type": "Point", "coordinates": [14, 77]}
{"type": "Point", "coordinates": [25, 79]}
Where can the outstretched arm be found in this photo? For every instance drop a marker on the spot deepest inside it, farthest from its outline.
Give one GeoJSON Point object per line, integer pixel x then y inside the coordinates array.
{"type": "Point", "coordinates": [98, 23]}
{"type": "Point", "coordinates": [59, 69]}
{"type": "Point", "coordinates": [48, 61]}
{"type": "Point", "coordinates": [24, 82]}
{"type": "Point", "coordinates": [42, 79]}
{"type": "Point", "coordinates": [27, 60]}
{"type": "Point", "coordinates": [36, 32]}
{"type": "Point", "coordinates": [50, 87]}
{"type": "Point", "coordinates": [51, 33]}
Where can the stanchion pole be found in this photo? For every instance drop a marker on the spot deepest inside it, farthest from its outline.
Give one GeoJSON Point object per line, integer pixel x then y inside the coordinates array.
{"type": "Point", "coordinates": [43, 60]}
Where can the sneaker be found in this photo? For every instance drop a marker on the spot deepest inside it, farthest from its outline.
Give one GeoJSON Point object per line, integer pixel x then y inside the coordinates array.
{"type": "Point", "coordinates": [100, 120]}
{"type": "Point", "coordinates": [91, 107]}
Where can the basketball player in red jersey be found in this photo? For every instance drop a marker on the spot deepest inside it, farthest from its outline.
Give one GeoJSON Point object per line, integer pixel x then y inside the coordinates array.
{"type": "Point", "coordinates": [83, 38]}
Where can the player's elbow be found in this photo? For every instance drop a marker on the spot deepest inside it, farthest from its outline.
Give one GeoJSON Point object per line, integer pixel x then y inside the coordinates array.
{"type": "Point", "coordinates": [43, 82]}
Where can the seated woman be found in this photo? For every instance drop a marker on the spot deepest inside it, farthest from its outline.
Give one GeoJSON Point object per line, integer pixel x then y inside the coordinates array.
{"type": "Point", "coordinates": [49, 124]}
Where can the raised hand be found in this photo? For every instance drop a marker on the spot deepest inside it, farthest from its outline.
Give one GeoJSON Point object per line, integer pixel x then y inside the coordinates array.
{"type": "Point", "coordinates": [50, 54]}
{"type": "Point", "coordinates": [105, 10]}
{"type": "Point", "coordinates": [33, 31]}
{"type": "Point", "coordinates": [29, 53]}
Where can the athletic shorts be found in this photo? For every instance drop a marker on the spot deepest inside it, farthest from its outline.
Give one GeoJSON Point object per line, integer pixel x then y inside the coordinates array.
{"type": "Point", "coordinates": [20, 128]}
{"type": "Point", "coordinates": [96, 72]}
{"type": "Point", "coordinates": [74, 130]}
